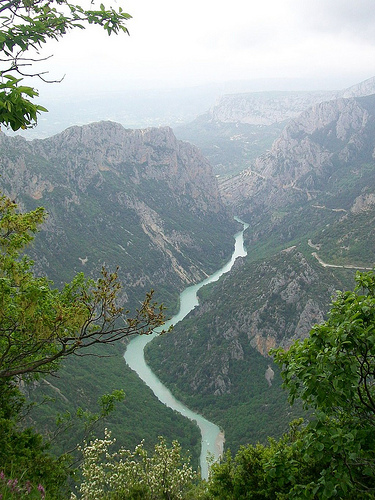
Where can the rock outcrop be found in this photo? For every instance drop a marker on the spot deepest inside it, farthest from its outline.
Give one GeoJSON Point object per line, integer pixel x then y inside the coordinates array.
{"type": "Point", "coordinates": [139, 199]}
{"type": "Point", "coordinates": [311, 150]}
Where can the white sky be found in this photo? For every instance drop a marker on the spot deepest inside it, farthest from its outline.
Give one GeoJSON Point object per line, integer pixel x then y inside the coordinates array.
{"type": "Point", "coordinates": [180, 44]}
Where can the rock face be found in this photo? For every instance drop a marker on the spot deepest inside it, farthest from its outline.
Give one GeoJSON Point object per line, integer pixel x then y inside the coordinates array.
{"type": "Point", "coordinates": [310, 151]}
{"type": "Point", "coordinates": [267, 108]}
{"type": "Point", "coordinates": [139, 199]}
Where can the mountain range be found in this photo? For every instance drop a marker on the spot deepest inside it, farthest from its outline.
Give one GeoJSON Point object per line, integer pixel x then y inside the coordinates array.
{"type": "Point", "coordinates": [297, 167]}
{"type": "Point", "coordinates": [309, 203]}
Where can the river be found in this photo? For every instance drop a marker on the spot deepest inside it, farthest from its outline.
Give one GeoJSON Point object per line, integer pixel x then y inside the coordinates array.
{"type": "Point", "coordinates": [212, 436]}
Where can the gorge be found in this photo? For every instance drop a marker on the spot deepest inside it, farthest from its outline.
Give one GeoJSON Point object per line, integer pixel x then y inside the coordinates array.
{"type": "Point", "coordinates": [212, 436]}
{"type": "Point", "coordinates": [151, 204]}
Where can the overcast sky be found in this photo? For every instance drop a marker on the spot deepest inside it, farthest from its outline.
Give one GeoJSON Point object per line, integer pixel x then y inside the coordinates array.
{"type": "Point", "coordinates": [175, 44]}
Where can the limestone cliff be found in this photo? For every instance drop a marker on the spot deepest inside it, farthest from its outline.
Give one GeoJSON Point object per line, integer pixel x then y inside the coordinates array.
{"type": "Point", "coordinates": [309, 154]}
{"type": "Point", "coordinates": [139, 199]}
{"type": "Point", "coordinates": [275, 302]}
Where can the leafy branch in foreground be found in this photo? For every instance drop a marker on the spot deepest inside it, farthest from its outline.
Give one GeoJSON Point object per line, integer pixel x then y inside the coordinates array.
{"type": "Point", "coordinates": [39, 325]}
{"type": "Point", "coordinates": [333, 372]}
{"type": "Point", "coordinates": [27, 25]}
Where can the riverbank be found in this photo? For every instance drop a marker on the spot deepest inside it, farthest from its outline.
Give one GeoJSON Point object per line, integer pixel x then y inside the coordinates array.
{"type": "Point", "coordinates": [219, 444]}
{"type": "Point", "coordinates": [213, 438]}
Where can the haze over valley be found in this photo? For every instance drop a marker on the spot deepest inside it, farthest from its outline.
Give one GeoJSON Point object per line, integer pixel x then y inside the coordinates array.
{"type": "Point", "coordinates": [187, 250]}
{"type": "Point", "coordinates": [298, 167]}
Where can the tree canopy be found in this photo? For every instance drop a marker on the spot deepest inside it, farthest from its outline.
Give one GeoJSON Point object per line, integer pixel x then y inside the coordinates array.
{"type": "Point", "coordinates": [331, 455]}
{"type": "Point", "coordinates": [25, 27]}
{"type": "Point", "coordinates": [333, 372]}
{"type": "Point", "coordinates": [40, 324]}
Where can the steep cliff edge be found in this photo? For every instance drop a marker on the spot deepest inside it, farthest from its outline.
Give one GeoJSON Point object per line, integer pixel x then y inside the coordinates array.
{"type": "Point", "coordinates": [139, 199]}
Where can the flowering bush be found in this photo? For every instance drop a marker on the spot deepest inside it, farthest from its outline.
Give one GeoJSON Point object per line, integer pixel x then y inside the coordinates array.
{"type": "Point", "coordinates": [134, 474]}
{"type": "Point", "coordinates": [16, 489]}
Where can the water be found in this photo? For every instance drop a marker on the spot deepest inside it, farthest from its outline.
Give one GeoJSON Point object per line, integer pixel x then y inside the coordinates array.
{"type": "Point", "coordinates": [212, 436]}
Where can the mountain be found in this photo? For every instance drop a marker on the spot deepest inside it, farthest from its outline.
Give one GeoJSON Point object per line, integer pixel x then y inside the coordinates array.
{"type": "Point", "coordinates": [310, 206]}
{"type": "Point", "coordinates": [138, 199]}
{"type": "Point", "coordinates": [240, 127]}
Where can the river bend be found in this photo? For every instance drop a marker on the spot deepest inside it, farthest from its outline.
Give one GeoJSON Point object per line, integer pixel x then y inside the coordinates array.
{"type": "Point", "coordinates": [212, 436]}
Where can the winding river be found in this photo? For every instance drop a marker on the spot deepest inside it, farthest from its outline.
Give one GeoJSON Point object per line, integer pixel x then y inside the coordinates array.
{"type": "Point", "coordinates": [212, 436]}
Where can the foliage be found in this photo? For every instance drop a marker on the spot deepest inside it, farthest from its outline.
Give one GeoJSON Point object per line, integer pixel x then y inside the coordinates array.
{"type": "Point", "coordinates": [16, 110]}
{"type": "Point", "coordinates": [39, 324]}
{"type": "Point", "coordinates": [27, 25]}
{"type": "Point", "coordinates": [127, 474]}
{"type": "Point", "coordinates": [333, 371]}
{"type": "Point", "coordinates": [24, 456]}
{"type": "Point", "coordinates": [260, 471]}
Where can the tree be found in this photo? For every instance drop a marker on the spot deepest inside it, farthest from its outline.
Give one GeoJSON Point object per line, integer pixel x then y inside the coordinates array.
{"type": "Point", "coordinates": [25, 26]}
{"type": "Point", "coordinates": [333, 372]}
{"type": "Point", "coordinates": [260, 471]}
{"type": "Point", "coordinates": [333, 454]}
{"type": "Point", "coordinates": [24, 455]}
{"type": "Point", "coordinates": [39, 325]}
{"type": "Point", "coordinates": [134, 474]}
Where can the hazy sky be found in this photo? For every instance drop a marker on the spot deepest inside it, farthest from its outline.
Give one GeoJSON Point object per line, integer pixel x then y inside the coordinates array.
{"type": "Point", "coordinates": [174, 44]}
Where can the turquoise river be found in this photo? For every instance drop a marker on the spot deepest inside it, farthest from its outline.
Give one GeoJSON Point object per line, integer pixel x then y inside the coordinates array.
{"type": "Point", "coordinates": [212, 435]}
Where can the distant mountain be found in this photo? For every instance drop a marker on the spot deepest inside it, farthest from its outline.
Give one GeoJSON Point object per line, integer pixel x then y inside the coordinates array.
{"type": "Point", "coordinates": [315, 152]}
{"type": "Point", "coordinates": [242, 126]}
{"type": "Point", "coordinates": [138, 199]}
{"type": "Point", "coordinates": [267, 108]}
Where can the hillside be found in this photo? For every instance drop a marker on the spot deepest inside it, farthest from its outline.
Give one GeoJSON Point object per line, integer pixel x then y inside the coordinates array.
{"type": "Point", "coordinates": [309, 203]}
{"type": "Point", "coordinates": [137, 199]}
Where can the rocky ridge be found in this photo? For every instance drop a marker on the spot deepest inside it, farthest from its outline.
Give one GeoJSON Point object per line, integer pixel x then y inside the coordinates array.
{"type": "Point", "coordinates": [267, 108]}
{"type": "Point", "coordinates": [139, 199]}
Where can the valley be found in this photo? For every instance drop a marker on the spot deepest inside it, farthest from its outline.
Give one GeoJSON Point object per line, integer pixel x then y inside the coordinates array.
{"type": "Point", "coordinates": [298, 168]}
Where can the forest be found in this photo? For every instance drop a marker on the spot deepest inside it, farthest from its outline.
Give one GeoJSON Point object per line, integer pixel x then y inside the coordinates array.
{"type": "Point", "coordinates": [328, 377]}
